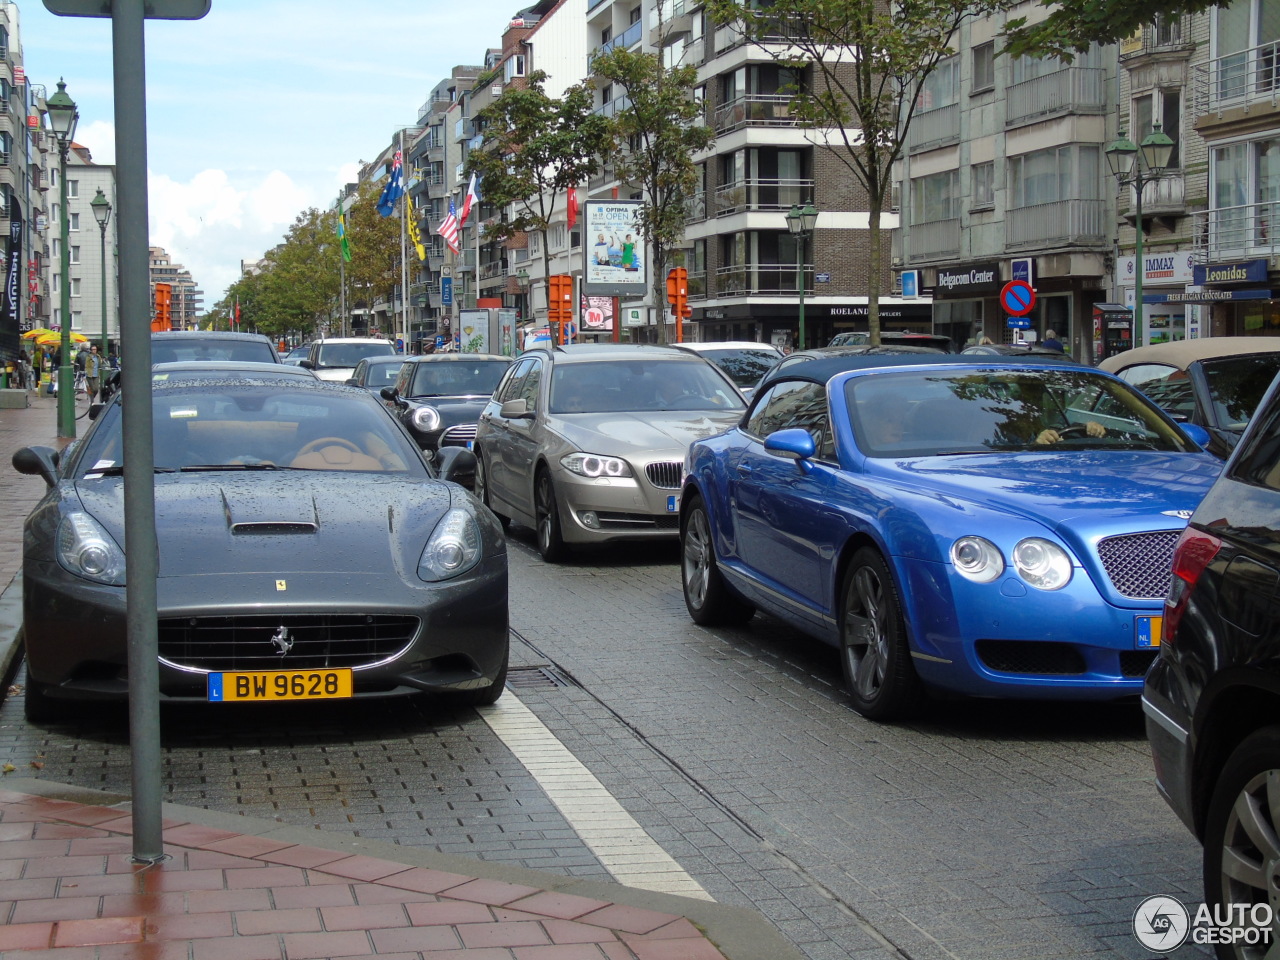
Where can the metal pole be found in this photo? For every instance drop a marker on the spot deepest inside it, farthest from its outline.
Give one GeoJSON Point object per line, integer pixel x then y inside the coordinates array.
{"type": "Point", "coordinates": [66, 376]}
{"type": "Point", "coordinates": [102, 230]}
{"type": "Point", "coordinates": [128, 45]}
{"type": "Point", "coordinates": [801, 238]}
{"type": "Point", "coordinates": [404, 253]}
{"type": "Point", "coordinates": [1139, 333]}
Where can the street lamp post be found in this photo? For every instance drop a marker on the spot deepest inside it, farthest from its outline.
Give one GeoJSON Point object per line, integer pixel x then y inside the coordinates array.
{"type": "Point", "coordinates": [801, 221]}
{"type": "Point", "coordinates": [102, 213]}
{"type": "Point", "coordinates": [63, 117]}
{"type": "Point", "coordinates": [1139, 166]}
{"type": "Point", "coordinates": [522, 281]}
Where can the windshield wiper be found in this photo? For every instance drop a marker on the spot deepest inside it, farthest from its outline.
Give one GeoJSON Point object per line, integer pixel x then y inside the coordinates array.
{"type": "Point", "coordinates": [196, 468]}
{"type": "Point", "coordinates": [117, 470]}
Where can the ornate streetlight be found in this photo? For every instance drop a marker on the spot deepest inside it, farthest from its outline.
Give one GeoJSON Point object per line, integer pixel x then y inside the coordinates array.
{"type": "Point", "coordinates": [1139, 166]}
{"type": "Point", "coordinates": [63, 117]}
{"type": "Point", "coordinates": [102, 213]}
{"type": "Point", "coordinates": [522, 281]}
{"type": "Point", "coordinates": [801, 221]}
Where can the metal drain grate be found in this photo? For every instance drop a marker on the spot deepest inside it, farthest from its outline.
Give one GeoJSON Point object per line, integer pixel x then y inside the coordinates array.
{"type": "Point", "coordinates": [536, 678]}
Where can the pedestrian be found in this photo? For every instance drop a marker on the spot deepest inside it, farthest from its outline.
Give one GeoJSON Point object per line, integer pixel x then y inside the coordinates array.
{"type": "Point", "coordinates": [92, 372]}
{"type": "Point", "coordinates": [113, 361]}
{"type": "Point", "coordinates": [1051, 341]}
{"type": "Point", "coordinates": [81, 359]}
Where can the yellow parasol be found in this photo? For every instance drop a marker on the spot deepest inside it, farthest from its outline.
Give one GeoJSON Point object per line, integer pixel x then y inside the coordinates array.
{"type": "Point", "coordinates": [37, 333]}
{"type": "Point", "coordinates": [54, 339]}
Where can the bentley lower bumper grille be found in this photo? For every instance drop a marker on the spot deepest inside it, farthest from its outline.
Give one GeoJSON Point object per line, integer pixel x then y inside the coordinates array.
{"type": "Point", "coordinates": [1136, 663]}
{"type": "Point", "coordinates": [1030, 657]}
{"type": "Point", "coordinates": [294, 642]}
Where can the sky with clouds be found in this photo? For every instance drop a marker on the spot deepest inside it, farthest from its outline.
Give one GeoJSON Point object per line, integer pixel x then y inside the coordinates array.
{"type": "Point", "coordinates": [261, 109]}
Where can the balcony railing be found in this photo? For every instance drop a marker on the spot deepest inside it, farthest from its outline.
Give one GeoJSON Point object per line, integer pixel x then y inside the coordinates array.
{"type": "Point", "coordinates": [1246, 232]}
{"type": "Point", "coordinates": [695, 208]}
{"type": "Point", "coordinates": [627, 38]}
{"type": "Point", "coordinates": [697, 285]}
{"type": "Point", "coordinates": [1063, 223]}
{"type": "Point", "coordinates": [1074, 89]}
{"type": "Point", "coordinates": [493, 269]}
{"type": "Point", "coordinates": [934, 128]}
{"type": "Point", "coordinates": [613, 106]}
{"type": "Point", "coordinates": [761, 195]}
{"type": "Point", "coordinates": [1245, 79]}
{"type": "Point", "coordinates": [1168, 34]}
{"type": "Point", "coordinates": [934, 238]}
{"type": "Point", "coordinates": [754, 110]}
{"type": "Point", "coordinates": [760, 279]}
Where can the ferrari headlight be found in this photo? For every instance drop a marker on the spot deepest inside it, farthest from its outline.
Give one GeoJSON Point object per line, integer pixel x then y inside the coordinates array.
{"type": "Point", "coordinates": [977, 559]}
{"type": "Point", "coordinates": [87, 550]}
{"type": "Point", "coordinates": [593, 465]}
{"type": "Point", "coordinates": [1042, 563]}
{"type": "Point", "coordinates": [454, 547]}
{"type": "Point", "coordinates": [426, 419]}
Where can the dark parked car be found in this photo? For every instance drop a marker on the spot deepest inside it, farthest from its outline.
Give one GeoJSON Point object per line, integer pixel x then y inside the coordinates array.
{"type": "Point", "coordinates": [374, 373]}
{"type": "Point", "coordinates": [1216, 382]}
{"type": "Point", "coordinates": [893, 339]}
{"type": "Point", "coordinates": [1212, 699]}
{"type": "Point", "coordinates": [439, 397]}
{"type": "Point", "coordinates": [211, 345]}
{"type": "Point", "coordinates": [280, 576]}
{"type": "Point", "coordinates": [978, 525]}
{"type": "Point", "coordinates": [743, 361]}
{"type": "Point", "coordinates": [1012, 350]}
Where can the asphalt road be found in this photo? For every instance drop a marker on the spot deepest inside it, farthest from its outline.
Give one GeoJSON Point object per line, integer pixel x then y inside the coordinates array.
{"type": "Point", "coordinates": [983, 830]}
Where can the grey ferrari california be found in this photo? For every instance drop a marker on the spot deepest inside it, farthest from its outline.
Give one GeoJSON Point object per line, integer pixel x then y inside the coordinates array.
{"type": "Point", "coordinates": [307, 551]}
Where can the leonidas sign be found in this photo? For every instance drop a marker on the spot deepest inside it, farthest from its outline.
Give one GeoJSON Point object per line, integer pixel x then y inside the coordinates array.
{"type": "Point", "coordinates": [973, 279]}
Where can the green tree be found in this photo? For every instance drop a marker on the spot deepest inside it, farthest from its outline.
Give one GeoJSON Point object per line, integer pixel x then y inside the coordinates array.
{"type": "Point", "coordinates": [534, 147]}
{"type": "Point", "coordinates": [375, 247]}
{"type": "Point", "coordinates": [659, 131]}
{"type": "Point", "coordinates": [865, 63]}
{"type": "Point", "coordinates": [1073, 25]}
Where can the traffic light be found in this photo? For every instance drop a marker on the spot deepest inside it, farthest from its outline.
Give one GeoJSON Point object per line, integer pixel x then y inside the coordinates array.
{"type": "Point", "coordinates": [559, 305]}
{"type": "Point", "coordinates": [163, 318]}
{"type": "Point", "coordinates": [678, 297]}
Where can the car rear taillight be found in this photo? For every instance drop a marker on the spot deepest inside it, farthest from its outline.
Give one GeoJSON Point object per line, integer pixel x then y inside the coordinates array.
{"type": "Point", "coordinates": [1193, 552]}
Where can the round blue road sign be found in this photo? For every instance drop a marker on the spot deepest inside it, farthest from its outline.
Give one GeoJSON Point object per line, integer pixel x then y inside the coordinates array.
{"type": "Point", "coordinates": [1017, 297]}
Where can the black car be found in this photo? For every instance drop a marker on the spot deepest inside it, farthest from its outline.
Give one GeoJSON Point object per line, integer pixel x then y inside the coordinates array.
{"type": "Point", "coordinates": [184, 345]}
{"type": "Point", "coordinates": [279, 574]}
{"type": "Point", "coordinates": [439, 397]}
{"type": "Point", "coordinates": [1212, 698]}
{"type": "Point", "coordinates": [1031, 350]}
{"type": "Point", "coordinates": [374, 373]}
{"type": "Point", "coordinates": [904, 338]}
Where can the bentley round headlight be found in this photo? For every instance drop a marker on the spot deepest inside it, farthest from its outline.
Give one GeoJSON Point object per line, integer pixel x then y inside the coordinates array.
{"type": "Point", "coordinates": [426, 419]}
{"type": "Point", "coordinates": [977, 559]}
{"type": "Point", "coordinates": [1042, 563]}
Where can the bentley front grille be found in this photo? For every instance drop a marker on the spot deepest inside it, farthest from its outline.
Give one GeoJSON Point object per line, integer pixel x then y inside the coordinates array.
{"type": "Point", "coordinates": [294, 641]}
{"type": "Point", "coordinates": [1139, 565]}
{"type": "Point", "coordinates": [666, 475]}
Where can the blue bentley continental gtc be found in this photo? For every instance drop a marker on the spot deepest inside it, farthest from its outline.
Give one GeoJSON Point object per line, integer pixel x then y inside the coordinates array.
{"type": "Point", "coordinates": [993, 528]}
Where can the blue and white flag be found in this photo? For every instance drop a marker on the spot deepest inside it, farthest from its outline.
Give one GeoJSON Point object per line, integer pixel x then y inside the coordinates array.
{"type": "Point", "coordinates": [394, 189]}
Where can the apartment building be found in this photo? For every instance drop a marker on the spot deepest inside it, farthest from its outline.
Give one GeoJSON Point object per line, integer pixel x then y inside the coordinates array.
{"type": "Point", "coordinates": [93, 249]}
{"type": "Point", "coordinates": [187, 301]}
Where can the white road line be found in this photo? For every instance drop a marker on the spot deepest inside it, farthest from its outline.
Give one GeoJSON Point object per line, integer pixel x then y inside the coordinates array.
{"type": "Point", "coordinates": [627, 852]}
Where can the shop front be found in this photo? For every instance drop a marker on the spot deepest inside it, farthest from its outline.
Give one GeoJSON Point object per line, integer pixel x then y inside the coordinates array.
{"type": "Point", "coordinates": [779, 324]}
{"type": "Point", "coordinates": [1167, 312]}
{"type": "Point", "coordinates": [1241, 298]}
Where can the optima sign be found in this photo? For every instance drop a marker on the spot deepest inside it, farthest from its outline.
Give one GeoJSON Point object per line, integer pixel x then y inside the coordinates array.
{"type": "Point", "coordinates": [981, 276]}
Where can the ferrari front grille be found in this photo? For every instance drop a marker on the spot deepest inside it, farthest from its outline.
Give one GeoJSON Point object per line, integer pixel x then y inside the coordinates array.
{"type": "Point", "coordinates": [292, 641]}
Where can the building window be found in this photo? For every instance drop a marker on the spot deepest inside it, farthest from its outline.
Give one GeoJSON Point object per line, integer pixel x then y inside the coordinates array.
{"type": "Point", "coordinates": [73, 221]}
{"type": "Point", "coordinates": [75, 254]}
{"type": "Point", "coordinates": [941, 87]}
{"type": "Point", "coordinates": [515, 66]}
{"type": "Point", "coordinates": [57, 283]}
{"type": "Point", "coordinates": [606, 35]}
{"type": "Point", "coordinates": [984, 66]}
{"type": "Point", "coordinates": [1166, 106]}
{"type": "Point", "coordinates": [73, 189]}
{"type": "Point", "coordinates": [75, 286]}
{"type": "Point", "coordinates": [77, 320]}
{"type": "Point", "coordinates": [635, 15]}
{"type": "Point", "coordinates": [57, 248]}
{"type": "Point", "coordinates": [935, 197]}
{"type": "Point", "coordinates": [984, 184]}
{"type": "Point", "coordinates": [1069, 172]}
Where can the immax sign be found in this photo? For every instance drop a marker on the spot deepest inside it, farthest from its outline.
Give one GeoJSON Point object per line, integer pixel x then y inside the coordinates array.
{"type": "Point", "coordinates": [980, 276]}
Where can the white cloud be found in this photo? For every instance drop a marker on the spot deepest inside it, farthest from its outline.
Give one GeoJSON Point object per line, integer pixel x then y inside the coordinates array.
{"type": "Point", "coordinates": [100, 137]}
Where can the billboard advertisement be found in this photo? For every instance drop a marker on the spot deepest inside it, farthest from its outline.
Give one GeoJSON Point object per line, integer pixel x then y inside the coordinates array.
{"type": "Point", "coordinates": [597, 314]}
{"type": "Point", "coordinates": [614, 249]}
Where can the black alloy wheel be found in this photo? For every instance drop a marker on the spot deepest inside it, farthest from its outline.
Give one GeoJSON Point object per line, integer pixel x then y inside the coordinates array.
{"type": "Point", "coordinates": [878, 672]}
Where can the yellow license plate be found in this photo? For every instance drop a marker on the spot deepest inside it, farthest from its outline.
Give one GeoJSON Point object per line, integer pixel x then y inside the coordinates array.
{"type": "Point", "coordinates": [280, 685]}
{"type": "Point", "coordinates": [1148, 632]}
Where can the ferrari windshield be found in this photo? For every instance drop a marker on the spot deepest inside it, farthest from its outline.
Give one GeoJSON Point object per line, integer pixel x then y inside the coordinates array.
{"type": "Point", "coordinates": [618, 386]}
{"type": "Point", "coordinates": [921, 414]}
{"type": "Point", "coordinates": [246, 425]}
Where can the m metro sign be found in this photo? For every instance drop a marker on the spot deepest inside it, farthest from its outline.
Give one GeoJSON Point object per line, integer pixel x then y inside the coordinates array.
{"type": "Point", "coordinates": [151, 9]}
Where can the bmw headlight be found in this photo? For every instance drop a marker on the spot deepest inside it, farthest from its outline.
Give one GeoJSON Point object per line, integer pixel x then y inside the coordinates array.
{"type": "Point", "coordinates": [454, 547]}
{"type": "Point", "coordinates": [977, 559]}
{"type": "Point", "coordinates": [88, 551]}
{"type": "Point", "coordinates": [426, 419]}
{"type": "Point", "coordinates": [593, 465]}
{"type": "Point", "coordinates": [1042, 563]}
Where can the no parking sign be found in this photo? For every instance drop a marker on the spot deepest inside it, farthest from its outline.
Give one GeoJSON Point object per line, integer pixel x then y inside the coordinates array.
{"type": "Point", "coordinates": [1018, 298]}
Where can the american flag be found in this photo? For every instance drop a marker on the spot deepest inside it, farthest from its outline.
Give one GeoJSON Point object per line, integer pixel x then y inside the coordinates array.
{"type": "Point", "coordinates": [449, 227]}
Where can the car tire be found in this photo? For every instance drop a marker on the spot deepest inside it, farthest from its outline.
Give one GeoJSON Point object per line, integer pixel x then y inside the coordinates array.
{"type": "Point", "coordinates": [874, 654]}
{"type": "Point", "coordinates": [551, 545]}
{"type": "Point", "coordinates": [1250, 780]}
{"type": "Point", "coordinates": [490, 694]}
{"type": "Point", "coordinates": [38, 706]}
{"type": "Point", "coordinates": [480, 487]}
{"type": "Point", "coordinates": [706, 596]}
